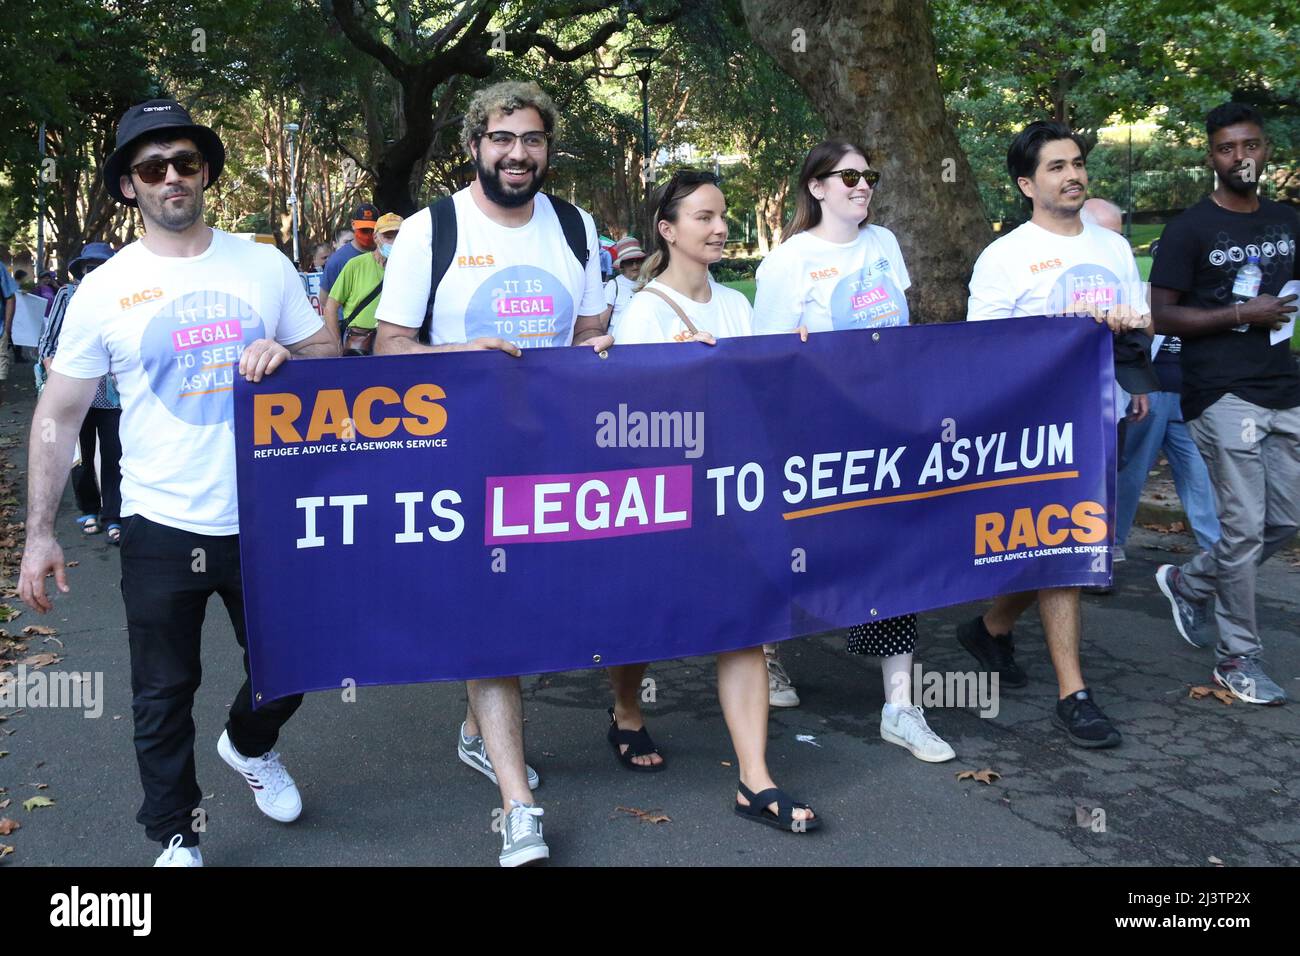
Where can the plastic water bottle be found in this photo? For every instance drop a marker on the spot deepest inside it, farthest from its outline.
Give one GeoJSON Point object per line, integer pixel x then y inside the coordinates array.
{"type": "Point", "coordinates": [1246, 285]}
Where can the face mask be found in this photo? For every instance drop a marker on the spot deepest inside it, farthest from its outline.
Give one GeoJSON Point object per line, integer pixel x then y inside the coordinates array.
{"type": "Point", "coordinates": [385, 249]}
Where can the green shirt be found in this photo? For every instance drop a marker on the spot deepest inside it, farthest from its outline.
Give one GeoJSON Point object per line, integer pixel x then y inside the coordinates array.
{"type": "Point", "coordinates": [361, 274]}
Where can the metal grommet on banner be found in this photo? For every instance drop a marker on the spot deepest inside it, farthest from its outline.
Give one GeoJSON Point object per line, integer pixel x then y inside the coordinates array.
{"type": "Point", "coordinates": [873, 612]}
{"type": "Point", "coordinates": [875, 336]}
{"type": "Point", "coordinates": [603, 354]}
{"type": "Point", "coordinates": [259, 698]}
{"type": "Point", "coordinates": [595, 658]}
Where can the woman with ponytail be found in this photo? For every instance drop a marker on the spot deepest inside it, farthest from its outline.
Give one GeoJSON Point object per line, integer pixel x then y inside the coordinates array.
{"type": "Point", "coordinates": [680, 302]}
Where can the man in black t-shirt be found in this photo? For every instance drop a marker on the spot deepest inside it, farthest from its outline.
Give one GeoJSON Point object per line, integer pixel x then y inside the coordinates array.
{"type": "Point", "coordinates": [1240, 389]}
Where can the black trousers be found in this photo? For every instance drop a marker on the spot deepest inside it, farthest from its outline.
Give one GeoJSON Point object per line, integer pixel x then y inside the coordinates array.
{"type": "Point", "coordinates": [167, 577]}
{"type": "Point", "coordinates": [101, 423]}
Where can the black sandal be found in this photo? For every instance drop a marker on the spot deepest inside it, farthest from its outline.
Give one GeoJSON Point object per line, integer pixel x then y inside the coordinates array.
{"type": "Point", "coordinates": [783, 819]}
{"type": "Point", "coordinates": [638, 743]}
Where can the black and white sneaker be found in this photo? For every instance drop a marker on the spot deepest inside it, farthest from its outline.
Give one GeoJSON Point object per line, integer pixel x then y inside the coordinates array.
{"type": "Point", "coordinates": [1190, 617]}
{"type": "Point", "coordinates": [1084, 723]}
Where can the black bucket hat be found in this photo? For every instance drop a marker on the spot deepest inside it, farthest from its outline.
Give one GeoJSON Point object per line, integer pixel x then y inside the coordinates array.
{"type": "Point", "coordinates": [155, 115]}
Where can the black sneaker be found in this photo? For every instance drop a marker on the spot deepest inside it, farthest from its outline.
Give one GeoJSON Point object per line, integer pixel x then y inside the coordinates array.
{"type": "Point", "coordinates": [1082, 720]}
{"type": "Point", "coordinates": [995, 654]}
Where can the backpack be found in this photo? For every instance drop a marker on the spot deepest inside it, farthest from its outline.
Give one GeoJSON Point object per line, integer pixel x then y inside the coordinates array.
{"type": "Point", "coordinates": [442, 223]}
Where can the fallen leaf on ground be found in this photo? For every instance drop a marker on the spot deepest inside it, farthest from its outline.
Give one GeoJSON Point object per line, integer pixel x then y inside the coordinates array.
{"type": "Point", "coordinates": [72, 564]}
{"type": "Point", "coordinates": [8, 826]}
{"type": "Point", "coordinates": [39, 629]}
{"type": "Point", "coordinates": [983, 776]}
{"type": "Point", "coordinates": [1196, 693]}
{"type": "Point", "coordinates": [54, 639]}
{"type": "Point", "coordinates": [8, 613]}
{"type": "Point", "coordinates": [1216, 861]}
{"type": "Point", "coordinates": [646, 816]}
{"type": "Point", "coordinates": [726, 763]}
{"type": "Point", "coordinates": [4, 803]}
{"type": "Point", "coordinates": [33, 803]}
{"type": "Point", "coordinates": [40, 660]}
{"type": "Point", "coordinates": [5, 850]}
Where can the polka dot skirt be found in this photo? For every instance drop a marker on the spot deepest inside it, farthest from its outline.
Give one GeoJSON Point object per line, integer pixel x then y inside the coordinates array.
{"type": "Point", "coordinates": [894, 635]}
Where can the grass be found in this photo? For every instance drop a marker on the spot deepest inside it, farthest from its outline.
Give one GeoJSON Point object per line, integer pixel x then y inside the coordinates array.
{"type": "Point", "coordinates": [743, 285]}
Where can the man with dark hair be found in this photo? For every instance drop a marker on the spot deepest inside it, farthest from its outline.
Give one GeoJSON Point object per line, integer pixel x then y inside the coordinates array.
{"type": "Point", "coordinates": [1055, 264]}
{"type": "Point", "coordinates": [1217, 283]}
{"type": "Point", "coordinates": [498, 265]}
{"type": "Point", "coordinates": [174, 316]}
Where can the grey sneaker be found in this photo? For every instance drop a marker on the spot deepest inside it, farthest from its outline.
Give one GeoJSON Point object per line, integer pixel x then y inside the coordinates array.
{"type": "Point", "coordinates": [473, 753]}
{"type": "Point", "coordinates": [1190, 617]}
{"type": "Point", "coordinates": [521, 836]}
{"type": "Point", "coordinates": [1247, 681]}
{"type": "Point", "coordinates": [780, 692]}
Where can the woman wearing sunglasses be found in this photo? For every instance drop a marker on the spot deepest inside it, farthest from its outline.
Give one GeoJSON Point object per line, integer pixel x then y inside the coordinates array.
{"type": "Point", "coordinates": [834, 270]}
{"type": "Point", "coordinates": [680, 302]}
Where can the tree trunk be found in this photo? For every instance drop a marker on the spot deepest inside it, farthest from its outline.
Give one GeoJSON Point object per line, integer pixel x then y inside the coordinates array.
{"type": "Point", "coordinates": [868, 67]}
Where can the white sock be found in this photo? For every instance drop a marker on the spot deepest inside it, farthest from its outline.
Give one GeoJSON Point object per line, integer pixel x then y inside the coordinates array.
{"type": "Point", "coordinates": [897, 674]}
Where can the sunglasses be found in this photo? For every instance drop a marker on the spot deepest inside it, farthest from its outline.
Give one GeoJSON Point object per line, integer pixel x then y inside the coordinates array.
{"type": "Point", "coordinates": [850, 177]}
{"type": "Point", "coordinates": [151, 171]}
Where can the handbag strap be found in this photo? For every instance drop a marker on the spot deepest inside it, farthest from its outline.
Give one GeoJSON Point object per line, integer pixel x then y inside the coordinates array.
{"type": "Point", "coordinates": [370, 297]}
{"type": "Point", "coordinates": [676, 308]}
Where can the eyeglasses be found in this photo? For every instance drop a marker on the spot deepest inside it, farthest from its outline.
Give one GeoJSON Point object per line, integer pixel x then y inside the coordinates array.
{"type": "Point", "coordinates": [189, 163]}
{"type": "Point", "coordinates": [850, 177]}
{"type": "Point", "coordinates": [504, 139]}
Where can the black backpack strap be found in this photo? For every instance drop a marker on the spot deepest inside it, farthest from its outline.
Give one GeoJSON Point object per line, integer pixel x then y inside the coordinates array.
{"type": "Point", "coordinates": [575, 233]}
{"type": "Point", "coordinates": [370, 297]}
{"type": "Point", "coordinates": [442, 249]}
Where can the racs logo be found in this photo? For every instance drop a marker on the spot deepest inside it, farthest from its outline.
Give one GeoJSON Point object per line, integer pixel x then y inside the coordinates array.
{"type": "Point", "coordinates": [1050, 526]}
{"type": "Point", "coordinates": [374, 412]}
{"type": "Point", "coordinates": [475, 262]}
{"type": "Point", "coordinates": [137, 298]}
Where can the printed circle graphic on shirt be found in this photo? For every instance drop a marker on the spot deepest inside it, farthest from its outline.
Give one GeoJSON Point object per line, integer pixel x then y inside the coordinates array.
{"type": "Point", "coordinates": [190, 352]}
{"type": "Point", "coordinates": [524, 305]}
{"type": "Point", "coordinates": [868, 298]}
{"type": "Point", "coordinates": [1084, 286]}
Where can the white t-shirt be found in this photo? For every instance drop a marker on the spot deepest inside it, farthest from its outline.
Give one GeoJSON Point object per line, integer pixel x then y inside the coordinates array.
{"type": "Point", "coordinates": [172, 330]}
{"type": "Point", "coordinates": [522, 284]}
{"type": "Point", "coordinates": [649, 319]}
{"type": "Point", "coordinates": [830, 285]}
{"type": "Point", "coordinates": [1031, 271]}
{"type": "Point", "coordinates": [618, 293]}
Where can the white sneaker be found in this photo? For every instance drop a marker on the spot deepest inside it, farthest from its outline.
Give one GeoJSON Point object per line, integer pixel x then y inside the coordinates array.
{"type": "Point", "coordinates": [273, 788]}
{"type": "Point", "coordinates": [780, 692]}
{"type": "Point", "coordinates": [177, 855]}
{"type": "Point", "coordinates": [907, 728]}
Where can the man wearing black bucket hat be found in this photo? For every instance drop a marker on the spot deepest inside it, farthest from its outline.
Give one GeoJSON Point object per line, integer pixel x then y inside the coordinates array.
{"type": "Point", "coordinates": [175, 316]}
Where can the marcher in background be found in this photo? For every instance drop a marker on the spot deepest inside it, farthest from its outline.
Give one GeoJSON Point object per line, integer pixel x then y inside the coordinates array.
{"type": "Point", "coordinates": [1240, 390]}
{"type": "Point", "coordinates": [354, 297]}
{"type": "Point", "coordinates": [9, 300]}
{"type": "Point", "coordinates": [628, 257]}
{"type": "Point", "coordinates": [343, 237]}
{"type": "Point", "coordinates": [98, 500]}
{"type": "Point", "coordinates": [320, 255]}
{"type": "Point", "coordinates": [47, 287]}
{"type": "Point", "coordinates": [363, 228]}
